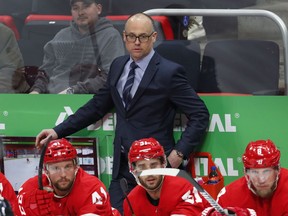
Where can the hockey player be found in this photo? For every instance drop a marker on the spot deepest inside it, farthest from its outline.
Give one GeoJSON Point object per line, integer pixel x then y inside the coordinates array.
{"type": "Point", "coordinates": [7, 194]}
{"type": "Point", "coordinates": [264, 187]}
{"type": "Point", "coordinates": [68, 189]}
{"type": "Point", "coordinates": [158, 195]}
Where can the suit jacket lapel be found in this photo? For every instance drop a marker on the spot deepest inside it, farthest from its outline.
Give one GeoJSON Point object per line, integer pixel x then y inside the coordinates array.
{"type": "Point", "coordinates": [115, 77]}
{"type": "Point", "coordinates": [147, 77]}
{"type": "Point", "coordinates": [117, 73]}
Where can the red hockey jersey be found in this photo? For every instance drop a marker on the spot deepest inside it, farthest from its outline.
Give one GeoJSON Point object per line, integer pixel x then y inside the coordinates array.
{"type": "Point", "coordinates": [238, 194]}
{"type": "Point", "coordinates": [88, 195]}
{"type": "Point", "coordinates": [7, 191]}
{"type": "Point", "coordinates": [178, 197]}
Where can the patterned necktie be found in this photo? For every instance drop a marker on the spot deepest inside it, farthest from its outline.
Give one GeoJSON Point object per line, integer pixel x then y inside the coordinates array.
{"type": "Point", "coordinates": [129, 83]}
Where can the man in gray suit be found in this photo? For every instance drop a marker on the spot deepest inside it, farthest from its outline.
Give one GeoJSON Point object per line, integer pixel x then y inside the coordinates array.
{"type": "Point", "coordinates": [160, 88]}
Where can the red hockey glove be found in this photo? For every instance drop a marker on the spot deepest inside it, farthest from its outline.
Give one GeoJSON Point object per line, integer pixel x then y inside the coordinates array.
{"type": "Point", "coordinates": [37, 202]}
{"type": "Point", "coordinates": [230, 210]}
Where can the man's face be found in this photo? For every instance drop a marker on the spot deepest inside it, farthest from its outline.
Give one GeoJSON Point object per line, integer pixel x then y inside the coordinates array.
{"type": "Point", "coordinates": [150, 182]}
{"type": "Point", "coordinates": [139, 26]}
{"type": "Point", "coordinates": [85, 14]}
{"type": "Point", "coordinates": [263, 180]}
{"type": "Point", "coordinates": [62, 175]}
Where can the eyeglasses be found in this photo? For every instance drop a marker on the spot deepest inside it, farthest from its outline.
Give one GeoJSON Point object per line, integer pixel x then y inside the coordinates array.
{"type": "Point", "coordinates": [56, 169]}
{"type": "Point", "coordinates": [143, 38]}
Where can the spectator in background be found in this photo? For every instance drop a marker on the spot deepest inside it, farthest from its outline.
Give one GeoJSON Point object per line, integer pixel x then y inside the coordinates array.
{"type": "Point", "coordinates": [7, 192]}
{"type": "Point", "coordinates": [77, 59]}
{"type": "Point", "coordinates": [148, 109]}
{"type": "Point", "coordinates": [12, 78]}
{"type": "Point", "coordinates": [156, 194]}
{"type": "Point", "coordinates": [68, 189]}
{"type": "Point", "coordinates": [263, 188]}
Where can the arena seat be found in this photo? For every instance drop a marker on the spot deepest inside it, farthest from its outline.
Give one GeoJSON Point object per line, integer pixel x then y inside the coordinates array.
{"type": "Point", "coordinates": [9, 21]}
{"type": "Point", "coordinates": [240, 66]}
{"type": "Point", "coordinates": [37, 31]}
{"type": "Point", "coordinates": [188, 55]}
{"type": "Point", "coordinates": [32, 52]}
{"type": "Point", "coordinates": [44, 27]}
{"type": "Point", "coordinates": [162, 25]}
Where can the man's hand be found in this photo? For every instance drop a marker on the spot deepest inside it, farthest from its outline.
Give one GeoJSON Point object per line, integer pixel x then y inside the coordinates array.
{"type": "Point", "coordinates": [174, 159]}
{"type": "Point", "coordinates": [42, 137]}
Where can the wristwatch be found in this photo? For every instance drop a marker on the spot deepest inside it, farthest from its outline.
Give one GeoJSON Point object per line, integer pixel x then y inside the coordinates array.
{"type": "Point", "coordinates": [70, 90]}
{"type": "Point", "coordinates": [179, 154]}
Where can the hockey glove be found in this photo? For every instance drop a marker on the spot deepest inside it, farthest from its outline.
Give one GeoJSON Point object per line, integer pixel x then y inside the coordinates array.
{"type": "Point", "coordinates": [37, 202]}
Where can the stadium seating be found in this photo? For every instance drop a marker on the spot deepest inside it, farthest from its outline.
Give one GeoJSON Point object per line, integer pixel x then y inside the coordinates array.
{"type": "Point", "coordinates": [33, 53]}
{"type": "Point", "coordinates": [240, 66]}
{"type": "Point", "coordinates": [187, 54]}
{"type": "Point", "coordinates": [44, 27]}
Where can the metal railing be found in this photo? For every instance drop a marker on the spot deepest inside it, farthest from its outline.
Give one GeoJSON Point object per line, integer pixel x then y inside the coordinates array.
{"type": "Point", "coordinates": [234, 12]}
